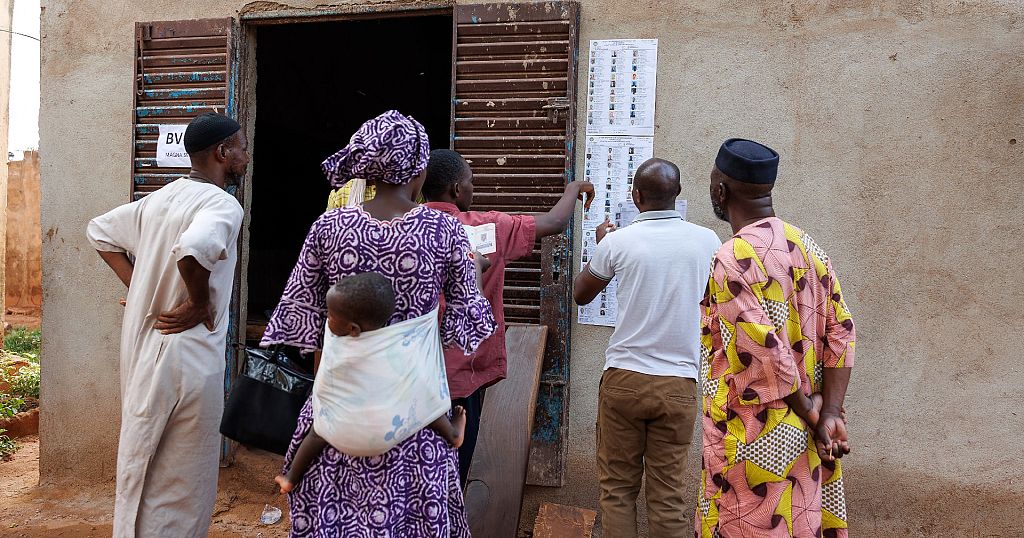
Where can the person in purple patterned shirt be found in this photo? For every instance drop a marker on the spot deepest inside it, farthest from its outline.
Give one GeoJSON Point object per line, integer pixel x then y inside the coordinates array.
{"type": "Point", "coordinates": [413, 490]}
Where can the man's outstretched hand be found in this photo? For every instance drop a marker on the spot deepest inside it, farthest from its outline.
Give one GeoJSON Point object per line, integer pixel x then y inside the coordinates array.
{"type": "Point", "coordinates": [184, 317]}
{"type": "Point", "coordinates": [586, 193]}
{"type": "Point", "coordinates": [604, 229]}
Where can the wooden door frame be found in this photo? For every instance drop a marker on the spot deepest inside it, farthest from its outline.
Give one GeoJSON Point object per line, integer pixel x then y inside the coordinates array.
{"type": "Point", "coordinates": [242, 102]}
{"type": "Point", "coordinates": [191, 28]}
{"type": "Point", "coordinates": [551, 431]}
{"type": "Point", "coordinates": [249, 20]}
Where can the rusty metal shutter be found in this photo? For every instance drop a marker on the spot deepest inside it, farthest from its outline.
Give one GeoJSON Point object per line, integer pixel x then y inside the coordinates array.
{"type": "Point", "coordinates": [182, 69]}
{"type": "Point", "coordinates": [514, 121]}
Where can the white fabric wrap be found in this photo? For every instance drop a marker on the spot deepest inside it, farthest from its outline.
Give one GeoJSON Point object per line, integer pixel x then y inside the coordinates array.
{"type": "Point", "coordinates": [356, 193]}
{"type": "Point", "coordinates": [376, 390]}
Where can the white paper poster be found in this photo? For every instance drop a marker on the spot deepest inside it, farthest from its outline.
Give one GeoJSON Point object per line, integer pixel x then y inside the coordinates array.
{"type": "Point", "coordinates": [170, 147]}
{"type": "Point", "coordinates": [622, 81]}
{"type": "Point", "coordinates": [482, 238]}
{"type": "Point", "coordinates": [603, 309]}
{"type": "Point", "coordinates": [610, 164]}
{"type": "Point", "coordinates": [622, 84]}
{"type": "Point", "coordinates": [630, 213]}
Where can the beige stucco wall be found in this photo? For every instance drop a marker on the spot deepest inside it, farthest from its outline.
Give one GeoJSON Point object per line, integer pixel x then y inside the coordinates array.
{"type": "Point", "coordinates": [897, 122]}
{"type": "Point", "coordinates": [24, 292]}
{"type": "Point", "coordinates": [6, 16]}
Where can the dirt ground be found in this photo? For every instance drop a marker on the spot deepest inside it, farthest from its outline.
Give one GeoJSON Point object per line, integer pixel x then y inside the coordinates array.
{"type": "Point", "coordinates": [31, 511]}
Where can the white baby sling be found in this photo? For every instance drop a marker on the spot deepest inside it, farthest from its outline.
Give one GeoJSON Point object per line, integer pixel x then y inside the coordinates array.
{"type": "Point", "coordinates": [377, 389]}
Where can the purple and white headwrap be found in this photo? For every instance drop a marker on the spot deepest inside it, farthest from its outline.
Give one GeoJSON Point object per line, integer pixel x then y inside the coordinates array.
{"type": "Point", "coordinates": [390, 148]}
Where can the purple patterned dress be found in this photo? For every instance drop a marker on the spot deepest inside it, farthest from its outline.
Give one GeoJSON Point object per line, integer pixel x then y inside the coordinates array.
{"type": "Point", "coordinates": [412, 490]}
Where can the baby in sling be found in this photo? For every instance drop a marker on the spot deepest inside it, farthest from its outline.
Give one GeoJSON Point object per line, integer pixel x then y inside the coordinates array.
{"type": "Point", "coordinates": [376, 386]}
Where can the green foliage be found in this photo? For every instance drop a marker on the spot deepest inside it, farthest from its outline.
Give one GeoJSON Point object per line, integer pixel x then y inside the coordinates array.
{"type": "Point", "coordinates": [22, 346]}
{"type": "Point", "coordinates": [7, 446]}
{"type": "Point", "coordinates": [24, 382]}
{"type": "Point", "coordinates": [24, 342]}
{"type": "Point", "coordinates": [10, 405]}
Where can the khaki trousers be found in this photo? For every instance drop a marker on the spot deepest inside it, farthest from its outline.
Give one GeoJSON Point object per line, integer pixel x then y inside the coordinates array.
{"type": "Point", "coordinates": [644, 425]}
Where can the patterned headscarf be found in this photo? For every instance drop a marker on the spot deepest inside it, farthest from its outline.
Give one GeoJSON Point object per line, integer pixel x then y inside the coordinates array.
{"type": "Point", "coordinates": [390, 148]}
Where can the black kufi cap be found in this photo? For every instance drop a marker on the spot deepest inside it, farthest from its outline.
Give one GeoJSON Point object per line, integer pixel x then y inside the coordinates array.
{"type": "Point", "coordinates": [748, 161]}
{"type": "Point", "coordinates": [207, 130]}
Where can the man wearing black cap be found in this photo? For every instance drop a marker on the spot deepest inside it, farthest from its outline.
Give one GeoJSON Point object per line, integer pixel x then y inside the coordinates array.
{"type": "Point", "coordinates": [182, 238]}
{"type": "Point", "coordinates": [647, 401]}
{"type": "Point", "coordinates": [777, 342]}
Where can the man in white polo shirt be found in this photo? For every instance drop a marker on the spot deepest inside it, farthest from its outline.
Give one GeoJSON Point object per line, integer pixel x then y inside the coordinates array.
{"type": "Point", "coordinates": [648, 397]}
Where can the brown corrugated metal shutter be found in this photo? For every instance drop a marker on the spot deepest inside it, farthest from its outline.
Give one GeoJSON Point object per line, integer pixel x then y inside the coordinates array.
{"type": "Point", "coordinates": [514, 120]}
{"type": "Point", "coordinates": [182, 69]}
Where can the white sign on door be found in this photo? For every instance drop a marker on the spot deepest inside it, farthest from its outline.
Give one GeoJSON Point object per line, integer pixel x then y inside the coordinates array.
{"type": "Point", "coordinates": [170, 147]}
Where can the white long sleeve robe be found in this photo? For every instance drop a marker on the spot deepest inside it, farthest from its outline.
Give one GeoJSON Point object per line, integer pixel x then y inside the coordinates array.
{"type": "Point", "coordinates": [172, 386]}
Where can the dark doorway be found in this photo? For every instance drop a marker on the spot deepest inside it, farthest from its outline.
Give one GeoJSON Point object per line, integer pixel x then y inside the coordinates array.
{"type": "Point", "coordinates": [316, 84]}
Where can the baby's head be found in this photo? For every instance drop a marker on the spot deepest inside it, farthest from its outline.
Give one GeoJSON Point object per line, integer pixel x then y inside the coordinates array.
{"type": "Point", "coordinates": [360, 303]}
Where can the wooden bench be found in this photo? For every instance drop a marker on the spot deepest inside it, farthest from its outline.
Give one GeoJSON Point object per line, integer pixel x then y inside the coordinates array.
{"type": "Point", "coordinates": [560, 521]}
{"type": "Point", "coordinates": [497, 476]}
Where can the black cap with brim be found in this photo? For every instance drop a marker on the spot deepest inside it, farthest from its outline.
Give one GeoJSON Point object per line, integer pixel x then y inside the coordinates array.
{"type": "Point", "coordinates": [748, 161]}
{"type": "Point", "coordinates": [208, 129]}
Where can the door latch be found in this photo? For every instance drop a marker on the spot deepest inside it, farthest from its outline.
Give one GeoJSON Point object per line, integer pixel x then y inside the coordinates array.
{"type": "Point", "coordinates": [557, 106]}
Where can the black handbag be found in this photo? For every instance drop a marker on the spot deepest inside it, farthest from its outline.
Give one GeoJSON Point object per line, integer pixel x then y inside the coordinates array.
{"type": "Point", "coordinates": [263, 408]}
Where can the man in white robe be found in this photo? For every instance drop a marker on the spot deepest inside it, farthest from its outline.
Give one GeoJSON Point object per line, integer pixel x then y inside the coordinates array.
{"type": "Point", "coordinates": [183, 240]}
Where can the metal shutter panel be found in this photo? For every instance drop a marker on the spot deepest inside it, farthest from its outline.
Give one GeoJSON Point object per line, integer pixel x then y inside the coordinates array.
{"type": "Point", "coordinates": [514, 121]}
{"type": "Point", "coordinates": [182, 69]}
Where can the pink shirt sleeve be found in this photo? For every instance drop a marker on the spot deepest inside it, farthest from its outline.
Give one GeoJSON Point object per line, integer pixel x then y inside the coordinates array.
{"type": "Point", "coordinates": [840, 334]}
{"type": "Point", "coordinates": [518, 233]}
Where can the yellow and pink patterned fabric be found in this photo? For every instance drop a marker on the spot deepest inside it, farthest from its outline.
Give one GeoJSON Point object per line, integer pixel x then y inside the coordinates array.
{"type": "Point", "coordinates": [773, 319]}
